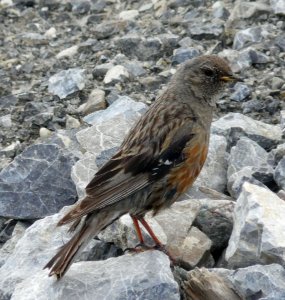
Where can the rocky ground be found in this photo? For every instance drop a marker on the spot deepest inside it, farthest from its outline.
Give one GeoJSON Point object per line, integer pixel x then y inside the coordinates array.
{"type": "Point", "coordinates": [74, 77]}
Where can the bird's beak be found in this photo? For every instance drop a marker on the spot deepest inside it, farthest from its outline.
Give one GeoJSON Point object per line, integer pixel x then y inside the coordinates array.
{"type": "Point", "coordinates": [230, 78]}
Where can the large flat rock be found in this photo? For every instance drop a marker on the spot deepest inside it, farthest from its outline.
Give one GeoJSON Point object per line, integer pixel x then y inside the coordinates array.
{"type": "Point", "coordinates": [37, 183]}
{"type": "Point", "coordinates": [145, 276]}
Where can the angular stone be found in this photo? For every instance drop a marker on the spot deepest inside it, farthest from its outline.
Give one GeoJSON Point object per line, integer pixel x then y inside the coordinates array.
{"type": "Point", "coordinates": [279, 174]}
{"type": "Point", "coordinates": [219, 10]}
{"type": "Point", "coordinates": [128, 15]}
{"type": "Point", "coordinates": [278, 7]}
{"type": "Point", "coordinates": [37, 183]}
{"type": "Point", "coordinates": [107, 29]}
{"type": "Point", "coordinates": [9, 246]}
{"type": "Point", "coordinates": [215, 219]}
{"type": "Point", "coordinates": [241, 92]}
{"type": "Point", "coordinates": [68, 52]}
{"type": "Point", "coordinates": [280, 42]}
{"type": "Point", "coordinates": [203, 284]}
{"type": "Point", "coordinates": [142, 48]}
{"type": "Point", "coordinates": [96, 101]}
{"type": "Point", "coordinates": [235, 125]}
{"type": "Point", "coordinates": [116, 74]}
{"type": "Point", "coordinates": [247, 10]}
{"type": "Point", "coordinates": [256, 282]}
{"type": "Point", "coordinates": [29, 258]}
{"type": "Point", "coordinates": [145, 276]}
{"type": "Point", "coordinates": [206, 31]}
{"type": "Point", "coordinates": [67, 82]}
{"type": "Point", "coordinates": [214, 172]}
{"type": "Point", "coordinates": [237, 180]}
{"type": "Point", "coordinates": [246, 153]}
{"type": "Point", "coordinates": [258, 235]}
{"type": "Point", "coordinates": [72, 122]}
{"type": "Point", "coordinates": [249, 36]}
{"type": "Point", "coordinates": [180, 55]}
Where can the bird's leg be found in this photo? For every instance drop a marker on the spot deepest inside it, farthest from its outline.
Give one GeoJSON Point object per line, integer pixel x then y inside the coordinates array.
{"type": "Point", "coordinates": [138, 230]}
{"type": "Point", "coordinates": [141, 246]}
{"type": "Point", "coordinates": [151, 233]}
{"type": "Point", "coordinates": [158, 244]}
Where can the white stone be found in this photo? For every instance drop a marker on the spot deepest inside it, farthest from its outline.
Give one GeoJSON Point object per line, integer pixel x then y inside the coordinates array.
{"type": "Point", "coordinates": [116, 74]}
{"type": "Point", "coordinates": [72, 122]}
{"type": "Point", "coordinates": [128, 15]}
{"type": "Point", "coordinates": [45, 133]}
{"type": "Point", "coordinates": [258, 131]}
{"type": "Point", "coordinates": [68, 52]}
{"type": "Point", "coordinates": [258, 234]}
{"type": "Point", "coordinates": [50, 33]}
{"type": "Point", "coordinates": [96, 101]}
{"type": "Point", "coordinates": [142, 276]}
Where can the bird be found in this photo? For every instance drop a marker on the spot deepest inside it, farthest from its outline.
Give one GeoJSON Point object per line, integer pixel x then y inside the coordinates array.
{"type": "Point", "coordinates": [157, 162]}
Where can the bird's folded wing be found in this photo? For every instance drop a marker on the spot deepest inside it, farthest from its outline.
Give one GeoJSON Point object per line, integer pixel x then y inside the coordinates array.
{"type": "Point", "coordinates": [126, 174]}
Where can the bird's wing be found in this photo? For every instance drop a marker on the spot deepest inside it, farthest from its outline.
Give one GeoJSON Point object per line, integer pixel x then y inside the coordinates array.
{"type": "Point", "coordinates": [137, 165]}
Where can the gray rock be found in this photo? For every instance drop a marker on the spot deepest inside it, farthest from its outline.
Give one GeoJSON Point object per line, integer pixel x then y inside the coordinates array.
{"type": "Point", "coordinates": [206, 31]}
{"type": "Point", "coordinates": [219, 10]}
{"type": "Point", "coordinates": [116, 74]}
{"type": "Point", "coordinates": [249, 36]}
{"type": "Point", "coordinates": [276, 83]}
{"type": "Point", "coordinates": [276, 155]}
{"type": "Point", "coordinates": [26, 258]}
{"type": "Point", "coordinates": [278, 7]}
{"type": "Point", "coordinates": [96, 101]}
{"type": "Point", "coordinates": [280, 42]}
{"type": "Point", "coordinates": [37, 183]}
{"type": "Point", "coordinates": [9, 246]}
{"type": "Point", "coordinates": [68, 52]}
{"type": "Point", "coordinates": [135, 69]}
{"type": "Point", "coordinates": [257, 57]}
{"type": "Point", "coordinates": [241, 92]}
{"type": "Point", "coordinates": [252, 106]}
{"type": "Point", "coordinates": [72, 122]}
{"type": "Point", "coordinates": [141, 48]}
{"type": "Point", "coordinates": [81, 7]}
{"type": "Point", "coordinates": [129, 15]}
{"type": "Point", "coordinates": [107, 29]}
{"type": "Point", "coordinates": [67, 82]}
{"type": "Point", "coordinates": [261, 176]}
{"type": "Point", "coordinates": [124, 106]}
{"type": "Point", "coordinates": [5, 121]}
{"type": "Point", "coordinates": [246, 153]}
{"type": "Point", "coordinates": [101, 70]}
{"type": "Point", "coordinates": [214, 172]}
{"type": "Point", "coordinates": [180, 55]}
{"type": "Point", "coordinates": [145, 276]}
{"type": "Point", "coordinates": [203, 284]}
{"type": "Point", "coordinates": [257, 282]}
{"type": "Point", "coordinates": [215, 219]}
{"type": "Point", "coordinates": [247, 10]}
{"type": "Point", "coordinates": [279, 173]}
{"type": "Point", "coordinates": [257, 236]}
{"type": "Point", "coordinates": [239, 60]}
{"type": "Point", "coordinates": [235, 125]}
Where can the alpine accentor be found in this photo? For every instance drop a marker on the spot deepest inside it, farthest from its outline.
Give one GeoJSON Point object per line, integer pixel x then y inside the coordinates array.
{"type": "Point", "coordinates": [158, 161]}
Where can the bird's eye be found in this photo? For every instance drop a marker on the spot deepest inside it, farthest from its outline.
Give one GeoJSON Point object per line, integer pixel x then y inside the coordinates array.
{"type": "Point", "coordinates": [208, 72]}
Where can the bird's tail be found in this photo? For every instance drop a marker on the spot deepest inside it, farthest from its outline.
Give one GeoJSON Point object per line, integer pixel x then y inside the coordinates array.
{"type": "Point", "coordinates": [92, 225]}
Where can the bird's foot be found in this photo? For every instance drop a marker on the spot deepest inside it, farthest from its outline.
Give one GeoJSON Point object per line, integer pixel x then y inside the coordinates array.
{"type": "Point", "coordinates": [141, 247]}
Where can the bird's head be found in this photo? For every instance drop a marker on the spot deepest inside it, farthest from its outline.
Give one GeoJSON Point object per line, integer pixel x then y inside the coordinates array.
{"type": "Point", "coordinates": [206, 76]}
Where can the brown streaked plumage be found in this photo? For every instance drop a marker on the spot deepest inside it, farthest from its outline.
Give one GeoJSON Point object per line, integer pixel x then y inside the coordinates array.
{"type": "Point", "coordinates": [158, 161]}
